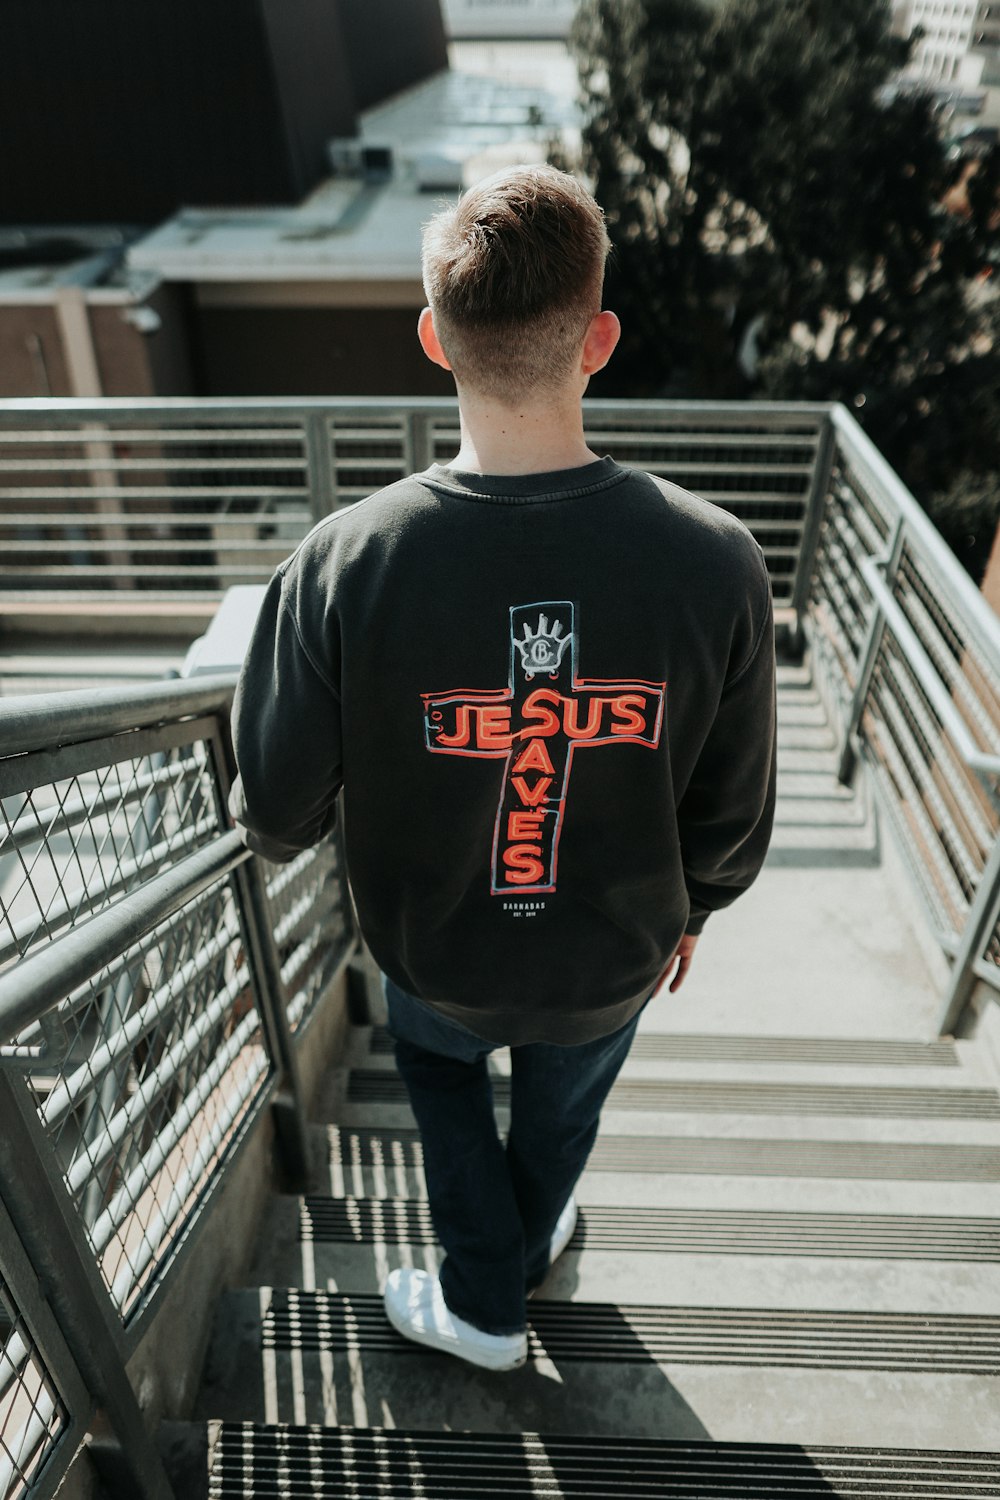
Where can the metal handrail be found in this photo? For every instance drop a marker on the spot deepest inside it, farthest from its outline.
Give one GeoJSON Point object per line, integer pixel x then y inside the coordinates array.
{"type": "Point", "coordinates": [155, 985]}
{"type": "Point", "coordinates": [876, 560]}
{"type": "Point", "coordinates": [920, 664]}
{"type": "Point", "coordinates": [919, 526]}
{"type": "Point", "coordinates": [40, 981]}
{"type": "Point", "coordinates": [40, 721]}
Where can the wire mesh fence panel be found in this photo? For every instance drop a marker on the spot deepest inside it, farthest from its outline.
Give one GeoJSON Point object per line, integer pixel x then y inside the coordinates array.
{"type": "Point", "coordinates": [163, 1060]}
{"type": "Point", "coordinates": [312, 925]}
{"type": "Point", "coordinates": [83, 825]}
{"type": "Point", "coordinates": [33, 1418]}
{"type": "Point", "coordinates": [144, 1074]}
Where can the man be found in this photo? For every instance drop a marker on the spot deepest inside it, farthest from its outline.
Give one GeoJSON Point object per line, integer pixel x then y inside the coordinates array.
{"type": "Point", "coordinates": [546, 684]}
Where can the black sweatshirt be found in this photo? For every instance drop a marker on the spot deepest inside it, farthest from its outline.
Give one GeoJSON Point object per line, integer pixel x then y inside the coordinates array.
{"type": "Point", "coordinates": [550, 701]}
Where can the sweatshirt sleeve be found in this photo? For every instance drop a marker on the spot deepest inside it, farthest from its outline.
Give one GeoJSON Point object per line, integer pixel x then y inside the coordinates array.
{"type": "Point", "coordinates": [286, 737]}
{"type": "Point", "coordinates": [727, 811]}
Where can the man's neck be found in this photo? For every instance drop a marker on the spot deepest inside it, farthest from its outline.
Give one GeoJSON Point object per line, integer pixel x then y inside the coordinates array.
{"type": "Point", "coordinates": [538, 439]}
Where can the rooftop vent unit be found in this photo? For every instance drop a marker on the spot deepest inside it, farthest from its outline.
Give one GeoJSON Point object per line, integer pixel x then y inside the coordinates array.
{"type": "Point", "coordinates": [354, 158]}
{"type": "Point", "coordinates": [436, 173]}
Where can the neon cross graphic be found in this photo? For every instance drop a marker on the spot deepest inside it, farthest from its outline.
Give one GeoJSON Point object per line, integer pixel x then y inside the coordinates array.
{"type": "Point", "coordinates": [535, 725]}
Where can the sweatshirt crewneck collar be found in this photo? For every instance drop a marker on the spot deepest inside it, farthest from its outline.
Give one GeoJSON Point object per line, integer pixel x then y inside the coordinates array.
{"type": "Point", "coordinates": [520, 489]}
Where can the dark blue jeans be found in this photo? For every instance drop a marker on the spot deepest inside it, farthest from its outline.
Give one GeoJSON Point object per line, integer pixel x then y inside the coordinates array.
{"type": "Point", "coordinates": [495, 1206]}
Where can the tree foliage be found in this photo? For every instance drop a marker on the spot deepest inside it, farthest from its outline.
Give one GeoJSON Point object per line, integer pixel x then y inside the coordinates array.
{"type": "Point", "coordinates": [758, 179]}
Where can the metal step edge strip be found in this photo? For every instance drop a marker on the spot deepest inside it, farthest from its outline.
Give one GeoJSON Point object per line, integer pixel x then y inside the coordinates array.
{"type": "Point", "coordinates": [406, 1221]}
{"type": "Point", "coordinates": [388, 1149]}
{"type": "Point", "coordinates": [253, 1460]}
{"type": "Point", "coordinates": [629, 1334]}
{"type": "Point", "coordinates": [370, 1086]}
{"type": "Point", "coordinates": [822, 1051]}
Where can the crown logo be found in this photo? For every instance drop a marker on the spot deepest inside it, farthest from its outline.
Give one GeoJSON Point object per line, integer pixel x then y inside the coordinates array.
{"type": "Point", "coordinates": [543, 651]}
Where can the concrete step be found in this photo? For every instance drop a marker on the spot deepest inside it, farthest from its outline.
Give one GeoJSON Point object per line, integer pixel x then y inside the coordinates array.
{"type": "Point", "coordinates": [861, 1262]}
{"type": "Point", "coordinates": [383, 1161]}
{"type": "Point", "coordinates": [725, 1095]}
{"type": "Point", "coordinates": [257, 1462]}
{"type": "Point", "coordinates": [374, 1045]}
{"type": "Point", "coordinates": [868, 1378]}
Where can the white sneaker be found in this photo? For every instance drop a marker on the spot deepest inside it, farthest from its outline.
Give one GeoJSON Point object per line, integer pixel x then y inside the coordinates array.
{"type": "Point", "coordinates": [415, 1306]}
{"type": "Point", "coordinates": [561, 1236]}
{"type": "Point", "coordinates": [563, 1232]}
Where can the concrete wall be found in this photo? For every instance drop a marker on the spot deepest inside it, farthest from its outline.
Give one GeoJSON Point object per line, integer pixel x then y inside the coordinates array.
{"type": "Point", "coordinates": [113, 111]}
{"type": "Point", "coordinates": [391, 44]}
{"type": "Point", "coordinates": [316, 351]}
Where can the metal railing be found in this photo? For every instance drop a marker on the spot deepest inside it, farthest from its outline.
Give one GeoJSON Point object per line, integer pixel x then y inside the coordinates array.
{"type": "Point", "coordinates": [909, 652]}
{"type": "Point", "coordinates": [151, 979]}
{"type": "Point", "coordinates": [154, 981]}
{"type": "Point", "coordinates": [122, 500]}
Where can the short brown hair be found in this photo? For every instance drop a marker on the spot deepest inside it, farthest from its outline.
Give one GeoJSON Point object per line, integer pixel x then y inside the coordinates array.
{"type": "Point", "coordinates": [513, 274]}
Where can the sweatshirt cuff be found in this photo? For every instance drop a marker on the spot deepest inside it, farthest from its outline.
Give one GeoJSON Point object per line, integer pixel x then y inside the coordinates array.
{"type": "Point", "coordinates": [695, 923]}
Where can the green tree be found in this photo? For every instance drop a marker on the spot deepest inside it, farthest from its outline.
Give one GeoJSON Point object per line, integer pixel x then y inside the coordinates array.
{"type": "Point", "coordinates": [757, 176]}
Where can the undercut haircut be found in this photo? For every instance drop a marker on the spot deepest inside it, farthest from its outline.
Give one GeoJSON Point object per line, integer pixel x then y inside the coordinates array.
{"type": "Point", "coordinates": [513, 274]}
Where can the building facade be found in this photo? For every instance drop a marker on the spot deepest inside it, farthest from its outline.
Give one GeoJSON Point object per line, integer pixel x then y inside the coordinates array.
{"type": "Point", "coordinates": [952, 29]}
{"type": "Point", "coordinates": [508, 20]}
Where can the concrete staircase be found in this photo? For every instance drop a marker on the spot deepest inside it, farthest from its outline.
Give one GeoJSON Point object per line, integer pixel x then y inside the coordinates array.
{"type": "Point", "coordinates": [786, 1277]}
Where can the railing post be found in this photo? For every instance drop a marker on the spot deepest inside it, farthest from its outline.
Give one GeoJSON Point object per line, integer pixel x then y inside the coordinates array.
{"type": "Point", "coordinates": [868, 657]}
{"type": "Point", "coordinates": [819, 488]}
{"type": "Point", "coordinates": [288, 1104]}
{"type": "Point", "coordinates": [50, 1230]}
{"type": "Point", "coordinates": [319, 466]}
{"type": "Point", "coordinates": [272, 1000]}
{"type": "Point", "coordinates": [979, 923]}
{"type": "Point", "coordinates": [419, 448]}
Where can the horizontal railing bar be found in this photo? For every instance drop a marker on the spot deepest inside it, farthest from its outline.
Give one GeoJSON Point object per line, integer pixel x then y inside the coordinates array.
{"type": "Point", "coordinates": [709, 438]}
{"type": "Point", "coordinates": [82, 1081]}
{"type": "Point", "coordinates": [692, 466]}
{"type": "Point", "coordinates": [138, 1107]}
{"type": "Point", "coordinates": [137, 570]}
{"type": "Point", "coordinates": [329, 971]}
{"type": "Point", "coordinates": [921, 764]}
{"type": "Point", "coordinates": [944, 928]}
{"type": "Point", "coordinates": [282, 876]}
{"type": "Point", "coordinates": [949, 670]}
{"type": "Point", "coordinates": [135, 547]}
{"type": "Point", "coordinates": [112, 465]}
{"type": "Point", "coordinates": [88, 759]}
{"type": "Point", "coordinates": [202, 601]}
{"type": "Point", "coordinates": [251, 433]}
{"type": "Point", "coordinates": [922, 668]}
{"type": "Point", "coordinates": [38, 983]}
{"type": "Point", "coordinates": [210, 1141]}
{"type": "Point", "coordinates": [920, 530]}
{"type": "Point", "coordinates": [82, 997]}
{"type": "Point", "coordinates": [63, 410]}
{"type": "Point", "coordinates": [934, 866]}
{"type": "Point", "coordinates": [134, 519]}
{"type": "Point", "coordinates": [955, 774]}
{"type": "Point", "coordinates": [39, 721]}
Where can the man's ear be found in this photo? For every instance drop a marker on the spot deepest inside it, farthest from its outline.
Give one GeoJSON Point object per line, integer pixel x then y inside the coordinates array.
{"type": "Point", "coordinates": [599, 344]}
{"type": "Point", "coordinates": [429, 341]}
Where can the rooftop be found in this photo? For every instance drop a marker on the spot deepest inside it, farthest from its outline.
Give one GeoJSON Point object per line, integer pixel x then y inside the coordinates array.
{"type": "Point", "coordinates": [444, 134]}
